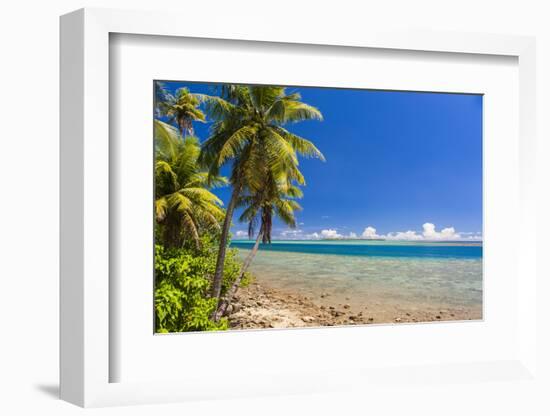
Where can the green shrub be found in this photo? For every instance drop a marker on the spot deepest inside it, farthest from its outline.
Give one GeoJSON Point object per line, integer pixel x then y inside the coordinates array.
{"type": "Point", "coordinates": [182, 284]}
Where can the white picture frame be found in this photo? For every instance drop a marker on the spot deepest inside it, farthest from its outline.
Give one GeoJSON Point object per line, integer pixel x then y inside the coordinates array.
{"type": "Point", "coordinates": [85, 355]}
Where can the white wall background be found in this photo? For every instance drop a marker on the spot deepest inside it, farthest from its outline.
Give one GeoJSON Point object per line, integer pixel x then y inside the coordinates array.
{"type": "Point", "coordinates": [29, 57]}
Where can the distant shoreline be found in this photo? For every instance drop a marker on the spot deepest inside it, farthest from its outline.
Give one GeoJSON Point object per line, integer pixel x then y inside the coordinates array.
{"type": "Point", "coordinates": [366, 240]}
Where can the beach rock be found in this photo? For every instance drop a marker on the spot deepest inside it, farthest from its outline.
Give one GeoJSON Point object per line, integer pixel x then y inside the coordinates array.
{"type": "Point", "coordinates": [258, 307]}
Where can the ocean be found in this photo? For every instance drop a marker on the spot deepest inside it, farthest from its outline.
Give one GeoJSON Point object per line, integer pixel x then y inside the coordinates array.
{"type": "Point", "coordinates": [391, 275]}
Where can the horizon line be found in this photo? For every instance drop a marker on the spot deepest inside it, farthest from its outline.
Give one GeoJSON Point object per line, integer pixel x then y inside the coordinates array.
{"type": "Point", "coordinates": [365, 239]}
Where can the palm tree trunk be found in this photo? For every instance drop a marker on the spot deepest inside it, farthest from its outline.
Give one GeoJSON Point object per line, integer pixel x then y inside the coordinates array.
{"type": "Point", "coordinates": [171, 232]}
{"type": "Point", "coordinates": [235, 286]}
{"type": "Point", "coordinates": [218, 274]}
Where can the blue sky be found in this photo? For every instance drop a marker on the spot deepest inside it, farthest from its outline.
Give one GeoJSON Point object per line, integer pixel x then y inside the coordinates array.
{"type": "Point", "coordinates": [405, 164]}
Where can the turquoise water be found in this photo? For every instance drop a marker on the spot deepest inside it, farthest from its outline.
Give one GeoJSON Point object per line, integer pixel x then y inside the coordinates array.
{"type": "Point", "coordinates": [372, 249]}
{"type": "Point", "coordinates": [405, 275]}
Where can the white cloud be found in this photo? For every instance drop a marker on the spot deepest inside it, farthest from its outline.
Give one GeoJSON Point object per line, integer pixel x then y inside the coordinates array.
{"type": "Point", "coordinates": [241, 233]}
{"type": "Point", "coordinates": [429, 233]}
{"type": "Point", "coordinates": [292, 234]}
{"type": "Point", "coordinates": [369, 233]}
{"type": "Point", "coordinates": [472, 236]}
{"type": "Point", "coordinates": [446, 234]}
{"type": "Point", "coordinates": [403, 235]}
{"type": "Point", "coordinates": [331, 234]}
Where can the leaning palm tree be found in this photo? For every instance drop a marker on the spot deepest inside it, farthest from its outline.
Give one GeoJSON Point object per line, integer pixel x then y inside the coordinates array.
{"type": "Point", "coordinates": [183, 204]}
{"type": "Point", "coordinates": [276, 198]}
{"type": "Point", "coordinates": [183, 109]}
{"type": "Point", "coordinates": [248, 133]}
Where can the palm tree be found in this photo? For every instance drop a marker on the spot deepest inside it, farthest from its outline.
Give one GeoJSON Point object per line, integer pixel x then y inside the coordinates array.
{"type": "Point", "coordinates": [248, 132]}
{"type": "Point", "coordinates": [183, 205]}
{"type": "Point", "coordinates": [163, 98]}
{"type": "Point", "coordinates": [183, 109]}
{"type": "Point", "coordinates": [275, 198]}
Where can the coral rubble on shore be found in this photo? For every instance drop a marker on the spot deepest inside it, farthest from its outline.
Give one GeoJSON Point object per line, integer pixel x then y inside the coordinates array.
{"type": "Point", "coordinates": [258, 306]}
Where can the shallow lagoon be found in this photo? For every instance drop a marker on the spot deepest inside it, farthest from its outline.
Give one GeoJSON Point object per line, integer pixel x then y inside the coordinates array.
{"type": "Point", "coordinates": [378, 274]}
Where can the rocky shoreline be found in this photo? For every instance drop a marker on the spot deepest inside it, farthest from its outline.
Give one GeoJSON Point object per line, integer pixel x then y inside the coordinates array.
{"type": "Point", "coordinates": [258, 306]}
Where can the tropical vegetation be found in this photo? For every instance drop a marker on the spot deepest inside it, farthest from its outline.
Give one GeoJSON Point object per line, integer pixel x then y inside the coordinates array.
{"type": "Point", "coordinates": [197, 274]}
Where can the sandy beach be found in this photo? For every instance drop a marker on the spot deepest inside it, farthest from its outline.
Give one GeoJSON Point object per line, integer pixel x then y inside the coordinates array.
{"type": "Point", "coordinates": [260, 306]}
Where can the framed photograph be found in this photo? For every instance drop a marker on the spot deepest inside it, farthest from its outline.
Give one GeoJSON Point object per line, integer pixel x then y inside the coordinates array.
{"type": "Point", "coordinates": [289, 247]}
{"type": "Point", "coordinates": [292, 197]}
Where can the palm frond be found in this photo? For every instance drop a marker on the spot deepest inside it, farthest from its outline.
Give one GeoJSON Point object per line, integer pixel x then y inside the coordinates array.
{"type": "Point", "coordinates": [302, 146]}
{"type": "Point", "coordinates": [235, 143]}
{"type": "Point", "coordinates": [280, 155]}
{"type": "Point", "coordinates": [200, 195]}
{"type": "Point", "coordinates": [216, 107]}
{"type": "Point", "coordinates": [179, 201]}
{"type": "Point", "coordinates": [285, 211]}
{"type": "Point", "coordinates": [290, 109]}
{"type": "Point", "coordinates": [166, 139]}
{"type": "Point", "coordinates": [299, 111]}
{"type": "Point", "coordinates": [202, 179]}
{"type": "Point", "coordinates": [263, 96]}
{"type": "Point", "coordinates": [293, 191]}
{"type": "Point", "coordinates": [189, 224]}
{"type": "Point", "coordinates": [161, 206]}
